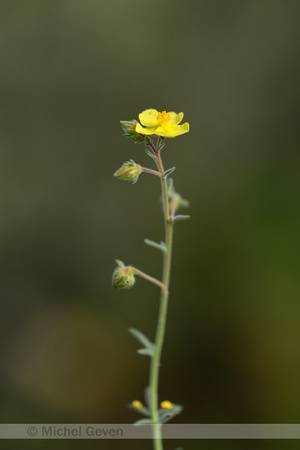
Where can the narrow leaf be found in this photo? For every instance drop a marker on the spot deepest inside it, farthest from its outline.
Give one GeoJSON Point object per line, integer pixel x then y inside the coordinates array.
{"type": "Point", "coordinates": [180, 217]}
{"type": "Point", "coordinates": [169, 185]}
{"type": "Point", "coordinates": [142, 410]}
{"type": "Point", "coordinates": [142, 338]}
{"type": "Point", "coordinates": [168, 172]}
{"type": "Point", "coordinates": [149, 153]}
{"type": "Point", "coordinates": [143, 422]}
{"type": "Point", "coordinates": [167, 414]}
{"type": "Point", "coordinates": [145, 351]}
{"type": "Point", "coordinates": [161, 146]}
{"type": "Point", "coordinates": [161, 246]}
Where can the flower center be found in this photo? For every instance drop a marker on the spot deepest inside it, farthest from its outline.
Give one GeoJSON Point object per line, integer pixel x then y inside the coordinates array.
{"type": "Point", "coordinates": [163, 117]}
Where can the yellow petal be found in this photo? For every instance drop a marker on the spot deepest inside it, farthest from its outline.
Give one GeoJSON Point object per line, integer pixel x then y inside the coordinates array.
{"type": "Point", "coordinates": [137, 404]}
{"type": "Point", "coordinates": [142, 130]}
{"type": "Point", "coordinates": [172, 130]}
{"type": "Point", "coordinates": [175, 118]}
{"type": "Point", "coordinates": [166, 131]}
{"type": "Point", "coordinates": [181, 129]}
{"type": "Point", "coordinates": [149, 117]}
{"type": "Point", "coordinates": [166, 404]}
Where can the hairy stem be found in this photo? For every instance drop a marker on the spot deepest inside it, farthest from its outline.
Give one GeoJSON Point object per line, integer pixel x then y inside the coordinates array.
{"type": "Point", "coordinates": [161, 324]}
{"type": "Point", "coordinates": [154, 172]}
{"type": "Point", "coordinates": [148, 278]}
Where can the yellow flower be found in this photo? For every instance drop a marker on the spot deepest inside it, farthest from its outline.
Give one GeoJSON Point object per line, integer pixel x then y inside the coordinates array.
{"type": "Point", "coordinates": [163, 123]}
{"type": "Point", "coordinates": [166, 404]}
{"type": "Point", "coordinates": [137, 404]}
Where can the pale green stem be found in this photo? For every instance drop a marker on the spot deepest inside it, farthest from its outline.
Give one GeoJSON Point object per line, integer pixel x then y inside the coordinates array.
{"type": "Point", "coordinates": [148, 278]}
{"type": "Point", "coordinates": [161, 324]}
{"type": "Point", "coordinates": [154, 172]}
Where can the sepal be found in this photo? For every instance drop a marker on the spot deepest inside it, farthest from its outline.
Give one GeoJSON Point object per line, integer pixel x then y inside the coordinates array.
{"type": "Point", "coordinates": [129, 131]}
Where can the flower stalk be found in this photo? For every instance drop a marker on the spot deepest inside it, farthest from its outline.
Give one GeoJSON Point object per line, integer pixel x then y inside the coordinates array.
{"type": "Point", "coordinates": [162, 318]}
{"type": "Point", "coordinates": [151, 279]}
{"type": "Point", "coordinates": [162, 125]}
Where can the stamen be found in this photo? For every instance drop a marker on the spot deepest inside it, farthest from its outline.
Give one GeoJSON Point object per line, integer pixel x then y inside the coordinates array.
{"type": "Point", "coordinates": [164, 116]}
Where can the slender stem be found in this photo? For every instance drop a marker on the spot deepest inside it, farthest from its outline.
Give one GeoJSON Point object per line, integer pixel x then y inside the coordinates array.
{"type": "Point", "coordinates": [173, 207]}
{"type": "Point", "coordinates": [161, 324]}
{"type": "Point", "coordinates": [164, 189]}
{"type": "Point", "coordinates": [149, 278]}
{"type": "Point", "coordinates": [144, 169]}
{"type": "Point", "coordinates": [152, 146]}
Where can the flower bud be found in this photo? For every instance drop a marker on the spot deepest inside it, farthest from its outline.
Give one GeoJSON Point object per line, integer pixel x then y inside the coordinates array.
{"type": "Point", "coordinates": [166, 404]}
{"type": "Point", "coordinates": [129, 128]}
{"type": "Point", "coordinates": [123, 277]}
{"type": "Point", "coordinates": [129, 171]}
{"type": "Point", "coordinates": [136, 404]}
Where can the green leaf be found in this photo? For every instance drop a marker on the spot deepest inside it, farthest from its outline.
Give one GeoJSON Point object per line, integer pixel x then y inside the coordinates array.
{"type": "Point", "coordinates": [143, 422]}
{"type": "Point", "coordinates": [149, 153]}
{"type": "Point", "coordinates": [161, 146]}
{"type": "Point", "coordinates": [162, 246]}
{"type": "Point", "coordinates": [168, 172]}
{"type": "Point", "coordinates": [169, 185]}
{"type": "Point", "coordinates": [142, 410]}
{"type": "Point", "coordinates": [146, 351]}
{"type": "Point", "coordinates": [142, 338]}
{"type": "Point", "coordinates": [167, 414]}
{"type": "Point", "coordinates": [180, 217]}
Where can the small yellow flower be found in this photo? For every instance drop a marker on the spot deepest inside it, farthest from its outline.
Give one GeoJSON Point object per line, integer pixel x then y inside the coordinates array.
{"type": "Point", "coordinates": [137, 404]}
{"type": "Point", "coordinates": [166, 404]}
{"type": "Point", "coordinates": [165, 124]}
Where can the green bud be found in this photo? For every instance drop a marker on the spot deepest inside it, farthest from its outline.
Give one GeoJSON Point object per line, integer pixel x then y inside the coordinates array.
{"type": "Point", "coordinates": [129, 131]}
{"type": "Point", "coordinates": [123, 277]}
{"type": "Point", "coordinates": [129, 171]}
{"type": "Point", "coordinates": [128, 126]}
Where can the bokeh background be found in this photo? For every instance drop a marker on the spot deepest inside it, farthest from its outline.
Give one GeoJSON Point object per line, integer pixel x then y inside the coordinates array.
{"type": "Point", "coordinates": [70, 71]}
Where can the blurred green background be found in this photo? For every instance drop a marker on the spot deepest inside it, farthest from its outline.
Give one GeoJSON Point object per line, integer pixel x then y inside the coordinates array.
{"type": "Point", "coordinates": [70, 71]}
